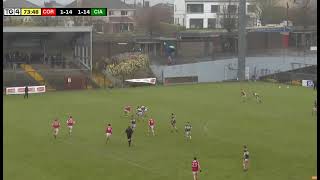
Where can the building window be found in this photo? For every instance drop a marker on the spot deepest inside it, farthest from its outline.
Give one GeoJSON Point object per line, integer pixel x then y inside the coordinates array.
{"type": "Point", "coordinates": [124, 13]}
{"type": "Point", "coordinates": [98, 27]}
{"type": "Point", "coordinates": [215, 8]}
{"type": "Point", "coordinates": [251, 8]}
{"type": "Point", "coordinates": [212, 23]}
{"type": "Point", "coordinates": [196, 23]}
{"type": "Point", "coordinates": [194, 8]}
{"type": "Point", "coordinates": [232, 9]}
{"type": "Point", "coordinates": [111, 13]}
{"type": "Point", "coordinates": [177, 20]}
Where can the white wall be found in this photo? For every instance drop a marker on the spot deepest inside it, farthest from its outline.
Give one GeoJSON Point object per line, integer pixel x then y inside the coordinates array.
{"type": "Point", "coordinates": [179, 12]}
{"type": "Point", "coordinates": [214, 71]}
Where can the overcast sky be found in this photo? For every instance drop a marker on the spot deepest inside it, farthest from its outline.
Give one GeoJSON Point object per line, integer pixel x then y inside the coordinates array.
{"type": "Point", "coordinates": [152, 2]}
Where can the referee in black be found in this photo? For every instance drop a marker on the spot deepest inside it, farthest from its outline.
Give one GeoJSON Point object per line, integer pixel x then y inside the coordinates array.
{"type": "Point", "coordinates": [129, 133]}
{"type": "Point", "coordinates": [26, 92]}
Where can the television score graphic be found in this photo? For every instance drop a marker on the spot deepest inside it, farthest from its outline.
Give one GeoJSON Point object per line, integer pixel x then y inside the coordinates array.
{"type": "Point", "coordinates": [55, 11]}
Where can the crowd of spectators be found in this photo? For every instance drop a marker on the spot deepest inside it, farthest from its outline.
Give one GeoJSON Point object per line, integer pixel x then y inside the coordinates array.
{"type": "Point", "coordinates": [13, 59]}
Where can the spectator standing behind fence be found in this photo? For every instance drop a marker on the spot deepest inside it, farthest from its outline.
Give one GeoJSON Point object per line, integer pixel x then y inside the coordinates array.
{"type": "Point", "coordinates": [26, 92]}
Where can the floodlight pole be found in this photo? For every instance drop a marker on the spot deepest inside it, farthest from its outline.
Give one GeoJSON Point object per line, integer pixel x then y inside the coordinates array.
{"type": "Point", "coordinates": [242, 40]}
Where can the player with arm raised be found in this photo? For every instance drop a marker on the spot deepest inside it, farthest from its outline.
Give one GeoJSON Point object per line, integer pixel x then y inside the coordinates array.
{"type": "Point", "coordinates": [187, 130]}
{"type": "Point", "coordinates": [173, 122]}
{"type": "Point", "coordinates": [70, 123]}
{"type": "Point", "coordinates": [55, 125]}
{"type": "Point", "coordinates": [108, 132]}
{"type": "Point", "coordinates": [151, 124]}
{"type": "Point", "coordinates": [195, 168]}
{"type": "Point", "coordinates": [245, 158]}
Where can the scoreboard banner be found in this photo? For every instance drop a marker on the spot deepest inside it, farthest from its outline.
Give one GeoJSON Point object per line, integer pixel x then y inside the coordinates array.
{"type": "Point", "coordinates": [55, 11]}
{"type": "Point", "coordinates": [307, 83]}
{"type": "Point", "coordinates": [20, 90]}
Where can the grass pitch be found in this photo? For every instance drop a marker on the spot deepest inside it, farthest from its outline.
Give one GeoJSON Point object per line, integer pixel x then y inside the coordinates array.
{"type": "Point", "coordinates": [280, 134]}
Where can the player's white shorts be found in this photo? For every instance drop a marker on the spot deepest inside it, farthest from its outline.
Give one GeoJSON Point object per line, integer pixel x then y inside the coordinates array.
{"type": "Point", "coordinates": [245, 160]}
{"type": "Point", "coordinates": [70, 127]}
{"type": "Point", "coordinates": [151, 127]}
{"type": "Point", "coordinates": [108, 135]}
{"type": "Point", "coordinates": [195, 172]}
{"type": "Point", "coordinates": [133, 126]}
{"type": "Point", "coordinates": [56, 130]}
{"type": "Point", "coordinates": [126, 111]}
{"type": "Point", "coordinates": [188, 133]}
{"type": "Point", "coordinates": [140, 113]}
{"type": "Point", "coordinates": [314, 109]}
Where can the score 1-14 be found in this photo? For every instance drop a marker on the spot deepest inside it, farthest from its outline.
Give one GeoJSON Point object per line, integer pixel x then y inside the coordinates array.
{"type": "Point", "coordinates": [12, 11]}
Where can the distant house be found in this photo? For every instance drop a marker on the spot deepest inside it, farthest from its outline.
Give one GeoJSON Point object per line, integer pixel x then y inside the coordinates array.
{"type": "Point", "coordinates": [199, 14]}
{"type": "Point", "coordinates": [120, 15]}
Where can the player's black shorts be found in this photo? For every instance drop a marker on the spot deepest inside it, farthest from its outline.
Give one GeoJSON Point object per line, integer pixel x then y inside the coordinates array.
{"type": "Point", "coordinates": [129, 137]}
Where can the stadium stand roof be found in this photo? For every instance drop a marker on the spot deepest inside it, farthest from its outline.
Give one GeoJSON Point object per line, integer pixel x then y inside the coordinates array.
{"type": "Point", "coordinates": [110, 4]}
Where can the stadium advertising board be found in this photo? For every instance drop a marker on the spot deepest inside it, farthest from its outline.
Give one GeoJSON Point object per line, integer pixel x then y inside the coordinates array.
{"type": "Point", "coordinates": [307, 83]}
{"type": "Point", "coordinates": [20, 90]}
{"type": "Point", "coordinates": [145, 80]}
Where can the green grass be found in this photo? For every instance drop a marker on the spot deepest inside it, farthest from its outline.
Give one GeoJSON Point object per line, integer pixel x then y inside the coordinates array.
{"type": "Point", "coordinates": [280, 134]}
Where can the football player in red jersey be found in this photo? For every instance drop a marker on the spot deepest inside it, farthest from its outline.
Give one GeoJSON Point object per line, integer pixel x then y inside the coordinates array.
{"type": "Point", "coordinates": [55, 125]}
{"type": "Point", "coordinates": [70, 123]}
{"type": "Point", "coordinates": [195, 168]}
{"type": "Point", "coordinates": [108, 132]}
{"type": "Point", "coordinates": [151, 124]}
{"type": "Point", "coordinates": [127, 110]}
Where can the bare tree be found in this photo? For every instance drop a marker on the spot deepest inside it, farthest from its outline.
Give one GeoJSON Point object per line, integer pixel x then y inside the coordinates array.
{"type": "Point", "coordinates": [149, 19]}
{"type": "Point", "coordinates": [229, 17]}
{"type": "Point", "coordinates": [304, 14]}
{"type": "Point", "coordinates": [270, 12]}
